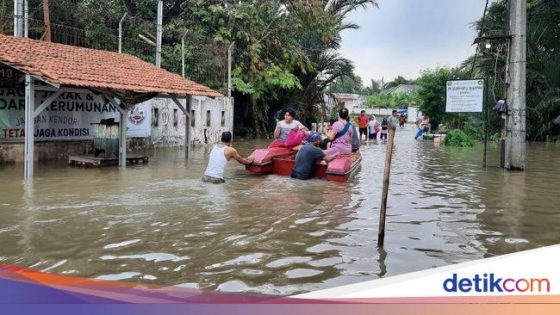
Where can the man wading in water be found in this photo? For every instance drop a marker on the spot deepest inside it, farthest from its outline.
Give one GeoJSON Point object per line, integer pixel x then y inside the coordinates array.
{"type": "Point", "coordinates": [220, 155]}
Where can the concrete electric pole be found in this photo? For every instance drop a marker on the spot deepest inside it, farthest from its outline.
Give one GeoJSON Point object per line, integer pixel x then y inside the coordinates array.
{"type": "Point", "coordinates": [18, 18]}
{"type": "Point", "coordinates": [159, 33]}
{"type": "Point", "coordinates": [516, 146]}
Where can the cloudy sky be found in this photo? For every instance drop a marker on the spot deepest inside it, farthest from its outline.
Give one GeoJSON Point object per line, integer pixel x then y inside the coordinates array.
{"type": "Point", "coordinates": [403, 37]}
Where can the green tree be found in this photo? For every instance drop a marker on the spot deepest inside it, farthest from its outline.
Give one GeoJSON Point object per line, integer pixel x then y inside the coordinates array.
{"type": "Point", "coordinates": [396, 82]}
{"type": "Point", "coordinates": [285, 51]}
{"type": "Point", "coordinates": [348, 84]}
{"type": "Point", "coordinates": [432, 94]}
{"type": "Point", "coordinates": [543, 64]}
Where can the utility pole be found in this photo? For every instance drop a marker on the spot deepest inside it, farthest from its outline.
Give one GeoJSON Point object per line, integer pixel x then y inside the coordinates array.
{"type": "Point", "coordinates": [120, 31]}
{"type": "Point", "coordinates": [229, 85]}
{"type": "Point", "coordinates": [26, 18]}
{"type": "Point", "coordinates": [183, 53]}
{"type": "Point", "coordinates": [47, 18]}
{"type": "Point", "coordinates": [516, 146]}
{"type": "Point", "coordinates": [18, 18]}
{"type": "Point", "coordinates": [159, 33]}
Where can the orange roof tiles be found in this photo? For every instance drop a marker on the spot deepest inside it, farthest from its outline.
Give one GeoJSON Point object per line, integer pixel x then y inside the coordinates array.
{"type": "Point", "coordinates": [91, 68]}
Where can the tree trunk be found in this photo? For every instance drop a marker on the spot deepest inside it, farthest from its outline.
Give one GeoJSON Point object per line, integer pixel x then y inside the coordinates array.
{"type": "Point", "coordinates": [47, 20]}
{"type": "Point", "coordinates": [256, 119]}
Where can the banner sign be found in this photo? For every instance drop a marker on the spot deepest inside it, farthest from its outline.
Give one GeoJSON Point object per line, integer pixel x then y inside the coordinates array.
{"type": "Point", "coordinates": [465, 96]}
{"type": "Point", "coordinates": [9, 77]}
{"type": "Point", "coordinates": [139, 121]}
{"type": "Point", "coordinates": [69, 117]}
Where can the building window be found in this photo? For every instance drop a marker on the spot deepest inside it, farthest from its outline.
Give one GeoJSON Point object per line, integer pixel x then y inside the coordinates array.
{"type": "Point", "coordinates": [155, 117]}
{"type": "Point", "coordinates": [175, 117]}
{"type": "Point", "coordinates": [192, 118]}
{"type": "Point", "coordinates": [223, 118]}
{"type": "Point", "coordinates": [208, 119]}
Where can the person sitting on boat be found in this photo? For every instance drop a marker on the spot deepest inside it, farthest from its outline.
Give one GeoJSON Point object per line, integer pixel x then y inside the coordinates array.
{"type": "Point", "coordinates": [284, 127]}
{"type": "Point", "coordinates": [341, 135]}
{"type": "Point", "coordinates": [219, 156]}
{"type": "Point", "coordinates": [326, 143]}
{"type": "Point", "coordinates": [308, 155]}
{"type": "Point", "coordinates": [424, 127]}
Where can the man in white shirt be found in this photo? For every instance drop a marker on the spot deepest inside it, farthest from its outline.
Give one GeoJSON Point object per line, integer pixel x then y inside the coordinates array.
{"type": "Point", "coordinates": [220, 155]}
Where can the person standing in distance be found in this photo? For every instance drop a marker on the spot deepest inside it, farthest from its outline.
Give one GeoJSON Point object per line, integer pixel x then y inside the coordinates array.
{"type": "Point", "coordinates": [219, 156]}
{"type": "Point", "coordinates": [362, 121]}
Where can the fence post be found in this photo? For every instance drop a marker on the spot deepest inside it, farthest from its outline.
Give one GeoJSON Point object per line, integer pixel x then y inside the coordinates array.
{"type": "Point", "coordinates": [385, 191]}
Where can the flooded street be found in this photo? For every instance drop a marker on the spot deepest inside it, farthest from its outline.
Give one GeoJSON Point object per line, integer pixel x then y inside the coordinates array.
{"type": "Point", "coordinates": [160, 224]}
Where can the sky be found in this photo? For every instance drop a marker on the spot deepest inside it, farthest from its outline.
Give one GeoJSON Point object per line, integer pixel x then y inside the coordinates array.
{"type": "Point", "coordinates": [404, 37]}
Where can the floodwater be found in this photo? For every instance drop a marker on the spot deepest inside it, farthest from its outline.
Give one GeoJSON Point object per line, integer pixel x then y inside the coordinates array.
{"type": "Point", "coordinates": [160, 224]}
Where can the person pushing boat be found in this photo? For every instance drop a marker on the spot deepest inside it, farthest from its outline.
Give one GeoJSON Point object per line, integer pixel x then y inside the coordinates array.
{"type": "Point", "coordinates": [219, 156]}
{"type": "Point", "coordinates": [308, 155]}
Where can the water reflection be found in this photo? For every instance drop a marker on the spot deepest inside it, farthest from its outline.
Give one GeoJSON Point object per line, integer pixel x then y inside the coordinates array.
{"type": "Point", "coordinates": [160, 224]}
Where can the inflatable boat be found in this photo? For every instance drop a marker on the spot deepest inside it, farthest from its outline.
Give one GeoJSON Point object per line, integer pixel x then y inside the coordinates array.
{"type": "Point", "coordinates": [281, 161]}
{"type": "Point", "coordinates": [263, 159]}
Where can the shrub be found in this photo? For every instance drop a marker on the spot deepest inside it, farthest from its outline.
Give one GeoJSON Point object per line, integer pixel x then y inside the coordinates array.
{"type": "Point", "coordinates": [458, 138]}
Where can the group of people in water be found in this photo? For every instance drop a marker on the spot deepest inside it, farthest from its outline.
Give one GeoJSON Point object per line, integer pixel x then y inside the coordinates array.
{"type": "Point", "coordinates": [341, 138]}
{"type": "Point", "coordinates": [371, 128]}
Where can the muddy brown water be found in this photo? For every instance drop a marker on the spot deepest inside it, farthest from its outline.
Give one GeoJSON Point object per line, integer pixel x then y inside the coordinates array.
{"type": "Point", "coordinates": [160, 224]}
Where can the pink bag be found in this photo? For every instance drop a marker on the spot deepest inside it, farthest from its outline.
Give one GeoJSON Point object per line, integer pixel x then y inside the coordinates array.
{"type": "Point", "coordinates": [295, 137]}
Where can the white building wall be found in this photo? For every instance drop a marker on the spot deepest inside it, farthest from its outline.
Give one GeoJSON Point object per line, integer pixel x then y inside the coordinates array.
{"type": "Point", "coordinates": [413, 114]}
{"type": "Point", "coordinates": [168, 122]}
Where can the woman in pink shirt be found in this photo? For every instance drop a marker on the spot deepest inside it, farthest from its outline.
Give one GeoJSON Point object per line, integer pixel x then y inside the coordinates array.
{"type": "Point", "coordinates": [341, 135]}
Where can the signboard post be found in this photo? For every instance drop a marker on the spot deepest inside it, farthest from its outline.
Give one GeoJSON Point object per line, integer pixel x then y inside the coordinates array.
{"type": "Point", "coordinates": [469, 96]}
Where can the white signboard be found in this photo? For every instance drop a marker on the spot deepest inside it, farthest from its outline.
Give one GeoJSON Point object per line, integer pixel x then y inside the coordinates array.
{"type": "Point", "coordinates": [139, 121]}
{"type": "Point", "coordinates": [465, 96]}
{"type": "Point", "coordinates": [69, 117]}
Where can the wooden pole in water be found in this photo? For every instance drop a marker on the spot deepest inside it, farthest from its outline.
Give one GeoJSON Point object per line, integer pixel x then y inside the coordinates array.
{"type": "Point", "coordinates": [385, 192]}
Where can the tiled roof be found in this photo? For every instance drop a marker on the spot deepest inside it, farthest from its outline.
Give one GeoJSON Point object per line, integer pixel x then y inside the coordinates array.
{"type": "Point", "coordinates": [91, 68]}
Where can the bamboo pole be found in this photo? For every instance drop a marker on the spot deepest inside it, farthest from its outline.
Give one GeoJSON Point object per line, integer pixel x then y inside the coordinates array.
{"type": "Point", "coordinates": [385, 192]}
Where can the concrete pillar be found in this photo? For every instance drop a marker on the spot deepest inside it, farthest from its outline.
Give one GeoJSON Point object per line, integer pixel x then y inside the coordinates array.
{"type": "Point", "coordinates": [122, 139]}
{"type": "Point", "coordinates": [188, 108]}
{"type": "Point", "coordinates": [516, 145]}
{"type": "Point", "coordinates": [29, 127]}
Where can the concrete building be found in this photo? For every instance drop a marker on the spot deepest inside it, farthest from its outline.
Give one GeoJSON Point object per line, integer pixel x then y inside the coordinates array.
{"type": "Point", "coordinates": [67, 126]}
{"type": "Point", "coordinates": [67, 97]}
{"type": "Point", "coordinates": [210, 118]}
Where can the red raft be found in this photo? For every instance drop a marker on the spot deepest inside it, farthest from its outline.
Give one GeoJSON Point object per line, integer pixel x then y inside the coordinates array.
{"type": "Point", "coordinates": [280, 161]}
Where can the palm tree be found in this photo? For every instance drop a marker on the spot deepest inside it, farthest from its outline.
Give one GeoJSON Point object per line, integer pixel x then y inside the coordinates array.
{"type": "Point", "coordinates": [321, 49]}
